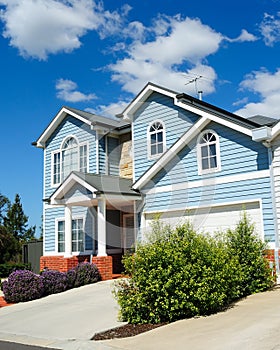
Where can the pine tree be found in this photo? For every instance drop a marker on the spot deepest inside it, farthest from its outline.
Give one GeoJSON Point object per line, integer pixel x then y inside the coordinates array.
{"type": "Point", "coordinates": [16, 222]}
{"type": "Point", "coordinates": [4, 204]}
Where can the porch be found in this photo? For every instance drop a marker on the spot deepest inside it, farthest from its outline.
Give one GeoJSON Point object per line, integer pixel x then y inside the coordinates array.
{"type": "Point", "coordinates": [113, 204]}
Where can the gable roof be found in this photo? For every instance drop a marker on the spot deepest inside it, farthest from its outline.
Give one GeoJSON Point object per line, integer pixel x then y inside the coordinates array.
{"type": "Point", "coordinates": [191, 104]}
{"type": "Point", "coordinates": [207, 113]}
{"type": "Point", "coordinates": [97, 185]}
{"type": "Point", "coordinates": [92, 120]}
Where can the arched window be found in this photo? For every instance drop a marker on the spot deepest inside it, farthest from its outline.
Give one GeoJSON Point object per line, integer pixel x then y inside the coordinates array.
{"type": "Point", "coordinates": [156, 139]}
{"type": "Point", "coordinates": [208, 152]}
{"type": "Point", "coordinates": [72, 156]}
{"type": "Point", "coordinates": [70, 160]}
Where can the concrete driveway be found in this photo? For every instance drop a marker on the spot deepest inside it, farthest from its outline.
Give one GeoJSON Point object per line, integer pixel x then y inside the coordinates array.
{"type": "Point", "coordinates": [61, 320]}
{"type": "Point", "coordinates": [69, 320]}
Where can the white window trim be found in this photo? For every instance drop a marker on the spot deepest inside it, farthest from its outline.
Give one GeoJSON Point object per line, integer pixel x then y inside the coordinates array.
{"type": "Point", "coordinates": [84, 235]}
{"type": "Point", "coordinates": [218, 155]}
{"type": "Point", "coordinates": [85, 143]}
{"type": "Point", "coordinates": [155, 156]}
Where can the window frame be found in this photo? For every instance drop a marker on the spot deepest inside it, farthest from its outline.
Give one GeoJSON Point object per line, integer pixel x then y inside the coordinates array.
{"type": "Point", "coordinates": [59, 153]}
{"type": "Point", "coordinates": [202, 171]}
{"type": "Point", "coordinates": [74, 218]}
{"type": "Point", "coordinates": [149, 144]}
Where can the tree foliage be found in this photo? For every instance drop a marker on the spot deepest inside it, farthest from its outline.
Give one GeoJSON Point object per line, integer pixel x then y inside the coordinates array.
{"type": "Point", "coordinates": [14, 229]}
{"type": "Point", "coordinates": [16, 222]}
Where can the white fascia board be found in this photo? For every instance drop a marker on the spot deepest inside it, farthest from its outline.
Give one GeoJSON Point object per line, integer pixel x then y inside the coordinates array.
{"type": "Point", "coordinates": [67, 185]}
{"type": "Point", "coordinates": [275, 131]}
{"type": "Point", "coordinates": [142, 97]}
{"type": "Point", "coordinates": [171, 152]}
{"type": "Point", "coordinates": [55, 123]}
{"type": "Point", "coordinates": [213, 117]}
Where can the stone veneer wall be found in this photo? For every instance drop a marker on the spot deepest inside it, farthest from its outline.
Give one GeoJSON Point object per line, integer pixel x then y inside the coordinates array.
{"type": "Point", "coordinates": [126, 167]}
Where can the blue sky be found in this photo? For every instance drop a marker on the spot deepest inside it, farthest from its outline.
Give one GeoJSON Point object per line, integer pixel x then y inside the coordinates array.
{"type": "Point", "coordinates": [97, 56]}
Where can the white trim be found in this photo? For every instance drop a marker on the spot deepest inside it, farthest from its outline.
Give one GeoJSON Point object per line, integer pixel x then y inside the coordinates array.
{"type": "Point", "coordinates": [97, 151]}
{"type": "Point", "coordinates": [67, 185]}
{"type": "Point", "coordinates": [133, 152]}
{"type": "Point", "coordinates": [75, 217]}
{"type": "Point", "coordinates": [214, 118]}
{"type": "Point", "coordinates": [55, 123]}
{"type": "Point", "coordinates": [171, 152]}
{"type": "Point", "coordinates": [148, 137]}
{"type": "Point", "coordinates": [212, 181]}
{"type": "Point", "coordinates": [198, 153]}
{"type": "Point", "coordinates": [142, 96]}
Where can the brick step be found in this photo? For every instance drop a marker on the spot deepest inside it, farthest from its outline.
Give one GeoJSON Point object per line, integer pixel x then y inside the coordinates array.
{"type": "Point", "coordinates": [4, 303]}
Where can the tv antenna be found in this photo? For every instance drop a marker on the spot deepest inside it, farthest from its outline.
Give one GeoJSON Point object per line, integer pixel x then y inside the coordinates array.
{"type": "Point", "coordinates": [194, 80]}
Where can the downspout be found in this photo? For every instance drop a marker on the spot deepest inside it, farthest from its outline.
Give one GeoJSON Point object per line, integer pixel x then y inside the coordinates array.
{"type": "Point", "coordinates": [276, 248]}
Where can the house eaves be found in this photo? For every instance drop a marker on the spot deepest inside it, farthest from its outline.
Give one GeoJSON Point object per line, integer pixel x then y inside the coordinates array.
{"type": "Point", "coordinates": [95, 122]}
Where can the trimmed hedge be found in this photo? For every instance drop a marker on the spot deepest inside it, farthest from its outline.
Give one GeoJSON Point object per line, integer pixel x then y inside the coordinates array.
{"type": "Point", "coordinates": [180, 273]}
{"type": "Point", "coordinates": [24, 285]}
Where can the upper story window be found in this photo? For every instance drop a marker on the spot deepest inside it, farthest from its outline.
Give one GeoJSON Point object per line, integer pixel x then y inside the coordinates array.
{"type": "Point", "coordinates": [156, 139]}
{"type": "Point", "coordinates": [72, 156]}
{"type": "Point", "coordinates": [208, 152]}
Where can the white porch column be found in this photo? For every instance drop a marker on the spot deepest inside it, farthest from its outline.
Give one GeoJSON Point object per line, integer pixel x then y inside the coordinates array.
{"type": "Point", "coordinates": [68, 231]}
{"type": "Point", "coordinates": [101, 227]}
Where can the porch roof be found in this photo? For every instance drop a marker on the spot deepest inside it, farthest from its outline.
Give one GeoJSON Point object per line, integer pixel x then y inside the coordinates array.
{"type": "Point", "coordinates": [94, 186]}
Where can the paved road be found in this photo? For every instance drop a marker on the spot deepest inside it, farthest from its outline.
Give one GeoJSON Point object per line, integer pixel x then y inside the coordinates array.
{"type": "Point", "coordinates": [17, 346]}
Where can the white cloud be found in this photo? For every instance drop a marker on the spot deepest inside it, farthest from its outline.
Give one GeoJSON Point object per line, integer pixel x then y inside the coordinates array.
{"type": "Point", "coordinates": [270, 29]}
{"type": "Point", "coordinates": [267, 86]}
{"type": "Point", "coordinates": [110, 110]}
{"type": "Point", "coordinates": [243, 37]}
{"type": "Point", "coordinates": [42, 27]}
{"type": "Point", "coordinates": [67, 91]}
{"type": "Point", "coordinates": [173, 46]}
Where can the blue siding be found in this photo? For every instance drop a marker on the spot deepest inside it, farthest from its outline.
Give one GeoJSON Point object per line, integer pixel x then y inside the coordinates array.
{"type": "Point", "coordinates": [176, 121]}
{"type": "Point", "coordinates": [239, 154]}
{"type": "Point", "coordinates": [70, 126]}
{"type": "Point", "coordinates": [113, 156]}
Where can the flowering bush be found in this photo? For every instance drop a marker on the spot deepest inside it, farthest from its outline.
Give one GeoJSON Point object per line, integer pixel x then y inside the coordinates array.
{"type": "Point", "coordinates": [82, 274]}
{"type": "Point", "coordinates": [23, 285]}
{"type": "Point", "coordinates": [54, 281]}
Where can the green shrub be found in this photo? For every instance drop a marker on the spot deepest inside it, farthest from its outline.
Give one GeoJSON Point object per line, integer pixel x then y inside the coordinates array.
{"type": "Point", "coordinates": [249, 250]}
{"type": "Point", "coordinates": [176, 274]}
{"type": "Point", "coordinates": [8, 268]}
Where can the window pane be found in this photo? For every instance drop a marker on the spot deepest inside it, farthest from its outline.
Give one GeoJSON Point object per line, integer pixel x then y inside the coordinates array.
{"type": "Point", "coordinates": [160, 136]}
{"type": "Point", "coordinates": [153, 138]}
{"type": "Point", "coordinates": [153, 149]}
{"type": "Point", "coordinates": [160, 148]}
{"type": "Point", "coordinates": [213, 162]}
{"type": "Point", "coordinates": [204, 151]}
{"type": "Point", "coordinates": [204, 163]}
{"type": "Point", "coordinates": [212, 150]}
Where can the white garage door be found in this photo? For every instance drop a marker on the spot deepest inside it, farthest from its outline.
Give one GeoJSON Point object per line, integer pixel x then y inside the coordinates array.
{"type": "Point", "coordinates": [213, 219]}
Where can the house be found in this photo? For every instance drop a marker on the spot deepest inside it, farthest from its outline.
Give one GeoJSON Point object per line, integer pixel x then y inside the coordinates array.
{"type": "Point", "coordinates": [168, 153]}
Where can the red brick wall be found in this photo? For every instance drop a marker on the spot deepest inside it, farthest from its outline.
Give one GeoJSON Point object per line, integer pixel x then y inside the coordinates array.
{"type": "Point", "coordinates": [59, 263]}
